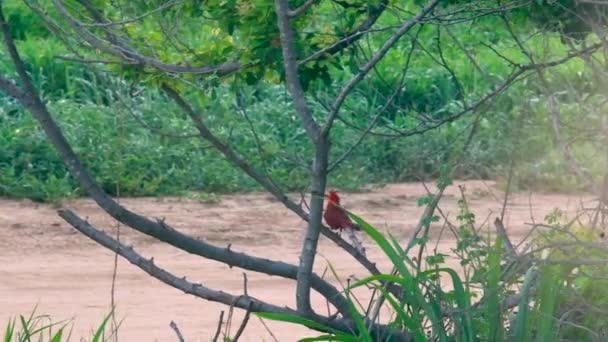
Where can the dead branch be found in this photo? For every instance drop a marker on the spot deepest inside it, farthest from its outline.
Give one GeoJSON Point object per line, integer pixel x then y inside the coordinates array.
{"type": "Point", "coordinates": [239, 332]}
{"type": "Point", "coordinates": [240, 301]}
{"type": "Point", "coordinates": [180, 337]}
{"type": "Point", "coordinates": [405, 28]}
{"type": "Point", "coordinates": [387, 103]}
{"type": "Point", "coordinates": [220, 321]}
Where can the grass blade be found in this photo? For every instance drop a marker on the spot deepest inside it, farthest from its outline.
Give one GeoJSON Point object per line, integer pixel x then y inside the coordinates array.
{"type": "Point", "coordinates": [523, 308]}
{"type": "Point", "coordinates": [10, 330]}
{"type": "Point", "coordinates": [411, 284]}
{"type": "Point", "coordinates": [297, 320]}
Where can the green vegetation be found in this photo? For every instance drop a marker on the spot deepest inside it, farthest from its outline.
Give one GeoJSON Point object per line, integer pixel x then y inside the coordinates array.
{"type": "Point", "coordinates": [557, 295]}
{"type": "Point", "coordinates": [177, 98]}
{"type": "Point", "coordinates": [35, 327]}
{"type": "Point", "coordinates": [120, 136]}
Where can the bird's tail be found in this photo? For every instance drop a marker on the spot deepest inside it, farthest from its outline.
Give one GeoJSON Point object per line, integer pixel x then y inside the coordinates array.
{"type": "Point", "coordinates": [355, 226]}
{"type": "Point", "coordinates": [355, 242]}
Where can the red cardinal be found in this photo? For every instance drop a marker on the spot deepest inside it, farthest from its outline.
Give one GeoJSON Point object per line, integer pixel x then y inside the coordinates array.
{"type": "Point", "coordinates": [335, 216]}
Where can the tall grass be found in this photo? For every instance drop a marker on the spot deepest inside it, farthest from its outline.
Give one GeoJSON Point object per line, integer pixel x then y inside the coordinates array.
{"type": "Point", "coordinates": [552, 299]}
{"type": "Point", "coordinates": [40, 328]}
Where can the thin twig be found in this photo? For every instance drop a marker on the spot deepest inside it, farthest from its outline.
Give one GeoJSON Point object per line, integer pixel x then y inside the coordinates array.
{"type": "Point", "coordinates": [239, 332]}
{"type": "Point", "coordinates": [376, 58]}
{"type": "Point", "coordinates": [201, 291]}
{"type": "Point", "coordinates": [500, 230]}
{"type": "Point", "coordinates": [173, 326]}
{"type": "Point", "coordinates": [268, 330]}
{"type": "Point", "coordinates": [245, 284]}
{"type": "Point", "coordinates": [220, 321]}
{"type": "Point", "coordinates": [300, 10]}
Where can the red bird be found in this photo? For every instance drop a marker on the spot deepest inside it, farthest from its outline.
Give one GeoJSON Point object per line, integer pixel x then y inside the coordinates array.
{"type": "Point", "coordinates": [335, 216]}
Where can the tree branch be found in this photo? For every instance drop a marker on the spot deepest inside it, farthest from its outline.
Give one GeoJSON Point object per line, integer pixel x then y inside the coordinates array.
{"type": "Point", "coordinates": [319, 168]}
{"type": "Point", "coordinates": [335, 107]}
{"type": "Point", "coordinates": [300, 10]}
{"type": "Point", "coordinates": [363, 134]}
{"type": "Point", "coordinates": [582, 174]}
{"type": "Point", "coordinates": [291, 69]}
{"type": "Point", "coordinates": [31, 101]}
{"type": "Point", "coordinates": [159, 230]}
{"type": "Point", "coordinates": [114, 47]}
{"type": "Point", "coordinates": [230, 154]}
{"type": "Point", "coordinates": [243, 301]}
{"type": "Point", "coordinates": [374, 13]}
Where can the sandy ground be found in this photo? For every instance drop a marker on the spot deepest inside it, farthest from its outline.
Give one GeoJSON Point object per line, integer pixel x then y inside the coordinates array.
{"type": "Point", "coordinates": [46, 263]}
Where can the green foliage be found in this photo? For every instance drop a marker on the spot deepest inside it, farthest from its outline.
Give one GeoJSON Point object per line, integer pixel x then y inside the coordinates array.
{"type": "Point", "coordinates": [140, 162]}
{"type": "Point", "coordinates": [41, 328]}
{"type": "Point", "coordinates": [558, 15]}
{"type": "Point", "coordinates": [119, 151]}
{"type": "Point", "coordinates": [557, 298]}
{"type": "Point", "coordinates": [579, 270]}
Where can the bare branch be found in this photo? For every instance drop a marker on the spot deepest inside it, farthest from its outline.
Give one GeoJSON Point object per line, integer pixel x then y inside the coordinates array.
{"type": "Point", "coordinates": [242, 301]}
{"type": "Point", "coordinates": [145, 125]}
{"type": "Point", "coordinates": [374, 13]}
{"type": "Point", "coordinates": [335, 107]}
{"type": "Point", "coordinates": [520, 72]}
{"type": "Point", "coordinates": [116, 48]}
{"type": "Point", "coordinates": [135, 19]}
{"type": "Point", "coordinates": [159, 230]}
{"type": "Point", "coordinates": [180, 337]}
{"type": "Point", "coordinates": [94, 61]}
{"type": "Point", "coordinates": [149, 267]}
{"type": "Point", "coordinates": [300, 10]}
{"type": "Point", "coordinates": [502, 232]}
{"type": "Point", "coordinates": [219, 327]}
{"type": "Point", "coordinates": [371, 125]}
{"type": "Point", "coordinates": [229, 153]}
{"type": "Point", "coordinates": [291, 70]}
{"type": "Point", "coordinates": [239, 332]}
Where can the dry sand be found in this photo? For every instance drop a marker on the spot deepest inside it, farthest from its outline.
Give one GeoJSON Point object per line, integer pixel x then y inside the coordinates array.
{"type": "Point", "coordinates": [46, 263]}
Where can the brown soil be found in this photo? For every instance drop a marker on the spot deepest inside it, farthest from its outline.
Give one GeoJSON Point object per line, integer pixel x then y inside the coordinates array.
{"type": "Point", "coordinates": [46, 263]}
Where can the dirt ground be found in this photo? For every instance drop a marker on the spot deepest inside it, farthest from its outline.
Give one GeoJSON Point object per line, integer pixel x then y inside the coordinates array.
{"type": "Point", "coordinates": [46, 263]}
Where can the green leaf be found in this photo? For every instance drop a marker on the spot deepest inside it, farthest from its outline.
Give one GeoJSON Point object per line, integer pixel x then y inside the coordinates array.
{"type": "Point", "coordinates": [282, 317]}
{"type": "Point", "coordinates": [548, 293]}
{"type": "Point", "coordinates": [101, 329]}
{"type": "Point", "coordinates": [494, 312]}
{"type": "Point", "coordinates": [523, 308]}
{"type": "Point", "coordinates": [343, 338]}
{"type": "Point", "coordinates": [9, 331]}
{"type": "Point", "coordinates": [436, 259]}
{"type": "Point", "coordinates": [425, 200]}
{"type": "Point", "coordinates": [463, 302]}
{"type": "Point", "coordinates": [58, 335]}
{"type": "Point", "coordinates": [433, 312]}
{"type": "Point", "coordinates": [378, 277]}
